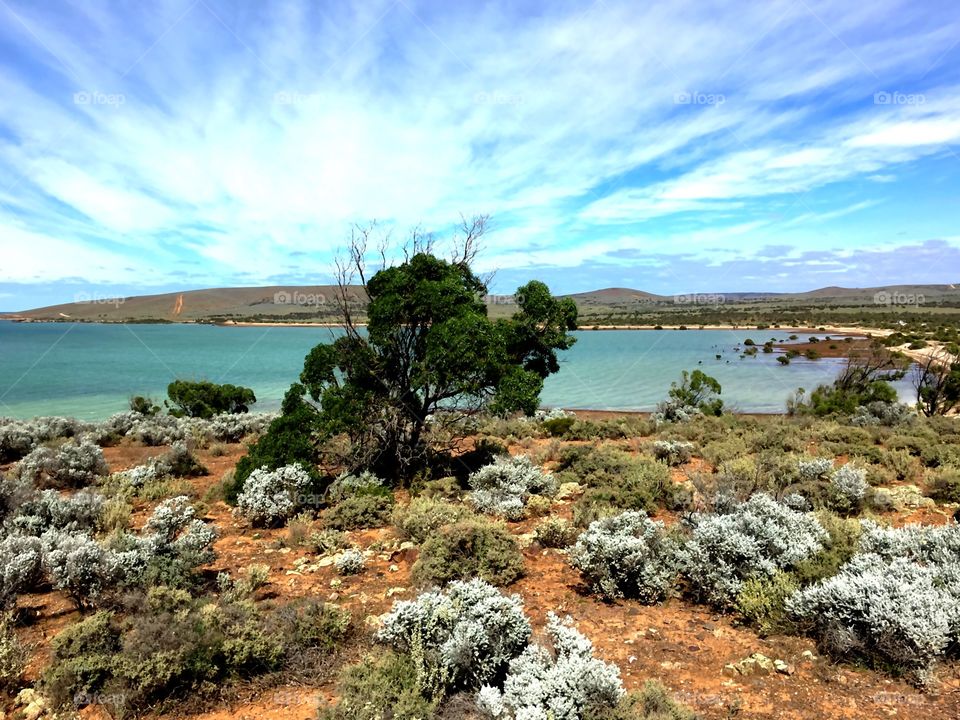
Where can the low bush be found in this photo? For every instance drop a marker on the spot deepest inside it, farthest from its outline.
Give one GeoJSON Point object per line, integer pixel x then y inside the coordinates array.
{"type": "Point", "coordinates": [14, 492]}
{"type": "Point", "coordinates": [13, 657]}
{"type": "Point", "coordinates": [378, 688]}
{"type": "Point", "coordinates": [848, 489]}
{"type": "Point", "coordinates": [350, 562]}
{"type": "Point", "coordinates": [270, 497]}
{"type": "Point", "coordinates": [627, 555]}
{"type": "Point", "coordinates": [327, 541]}
{"type": "Point", "coordinates": [673, 452]}
{"type": "Point", "coordinates": [459, 639]}
{"type": "Point", "coordinates": [653, 702]}
{"type": "Point", "coordinates": [72, 465]}
{"type": "Point", "coordinates": [754, 539]}
{"type": "Point", "coordinates": [556, 533]}
{"type": "Point", "coordinates": [641, 484]}
{"type": "Point", "coordinates": [364, 510]}
{"type": "Point", "coordinates": [561, 683]}
{"type": "Point", "coordinates": [79, 565]}
{"type": "Point", "coordinates": [180, 461]}
{"type": "Point", "coordinates": [504, 487]}
{"type": "Point", "coordinates": [423, 516]}
{"type": "Point", "coordinates": [762, 602]}
{"type": "Point", "coordinates": [49, 510]}
{"type": "Point", "coordinates": [881, 414]}
{"type": "Point", "coordinates": [475, 548]}
{"type": "Point", "coordinates": [21, 560]}
{"type": "Point", "coordinates": [944, 484]}
{"type": "Point", "coordinates": [896, 603]}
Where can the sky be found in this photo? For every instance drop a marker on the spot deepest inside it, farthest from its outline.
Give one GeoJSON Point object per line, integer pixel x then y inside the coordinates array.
{"type": "Point", "coordinates": [673, 147]}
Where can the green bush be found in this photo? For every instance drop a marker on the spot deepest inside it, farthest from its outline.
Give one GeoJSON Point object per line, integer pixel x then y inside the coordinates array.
{"type": "Point", "coordinates": [204, 399]}
{"type": "Point", "coordinates": [380, 687]}
{"type": "Point", "coordinates": [475, 548]}
{"type": "Point", "coordinates": [944, 485]}
{"type": "Point", "coordinates": [653, 702]}
{"type": "Point", "coordinates": [12, 656]}
{"type": "Point", "coordinates": [424, 516]}
{"type": "Point", "coordinates": [558, 427]}
{"type": "Point", "coordinates": [556, 533]}
{"type": "Point", "coordinates": [761, 602]}
{"type": "Point", "coordinates": [628, 483]}
{"type": "Point", "coordinates": [369, 507]}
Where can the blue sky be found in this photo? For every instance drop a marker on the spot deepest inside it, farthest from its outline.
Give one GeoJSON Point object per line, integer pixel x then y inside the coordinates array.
{"type": "Point", "coordinates": [681, 146]}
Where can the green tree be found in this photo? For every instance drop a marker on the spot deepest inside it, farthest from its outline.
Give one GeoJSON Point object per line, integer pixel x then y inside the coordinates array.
{"type": "Point", "coordinates": [696, 390]}
{"type": "Point", "coordinates": [865, 378]}
{"type": "Point", "coordinates": [204, 399]}
{"type": "Point", "coordinates": [937, 382]}
{"type": "Point", "coordinates": [430, 355]}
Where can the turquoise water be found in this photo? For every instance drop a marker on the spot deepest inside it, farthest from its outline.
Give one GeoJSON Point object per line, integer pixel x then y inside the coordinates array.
{"type": "Point", "coordinates": [89, 371]}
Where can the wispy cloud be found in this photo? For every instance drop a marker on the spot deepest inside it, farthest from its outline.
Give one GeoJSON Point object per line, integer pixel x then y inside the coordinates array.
{"type": "Point", "coordinates": [247, 137]}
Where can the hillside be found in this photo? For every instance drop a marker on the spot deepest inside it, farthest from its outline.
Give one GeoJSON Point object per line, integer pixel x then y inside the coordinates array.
{"type": "Point", "coordinates": [315, 303]}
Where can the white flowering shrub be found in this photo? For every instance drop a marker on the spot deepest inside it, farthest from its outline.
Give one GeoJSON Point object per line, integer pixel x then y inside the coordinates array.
{"type": "Point", "coordinates": [154, 430]}
{"type": "Point", "coordinates": [72, 465]}
{"type": "Point", "coordinates": [880, 413]}
{"type": "Point", "coordinates": [559, 683]}
{"type": "Point", "coordinates": [627, 555]}
{"type": "Point", "coordinates": [350, 562]}
{"type": "Point", "coordinates": [269, 497]}
{"type": "Point", "coordinates": [503, 487]}
{"type": "Point", "coordinates": [20, 566]}
{"type": "Point", "coordinates": [673, 452]}
{"type": "Point", "coordinates": [814, 469]}
{"type": "Point", "coordinates": [349, 484]}
{"type": "Point", "coordinates": [848, 485]}
{"type": "Point", "coordinates": [460, 638]}
{"type": "Point", "coordinates": [896, 602]}
{"type": "Point", "coordinates": [50, 510]}
{"type": "Point", "coordinates": [796, 501]}
{"type": "Point", "coordinates": [755, 539]}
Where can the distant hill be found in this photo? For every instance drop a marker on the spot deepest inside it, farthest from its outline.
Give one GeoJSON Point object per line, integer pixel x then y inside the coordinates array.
{"type": "Point", "coordinates": [315, 303]}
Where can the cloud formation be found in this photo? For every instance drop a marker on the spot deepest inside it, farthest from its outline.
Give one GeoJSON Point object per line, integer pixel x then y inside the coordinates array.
{"type": "Point", "coordinates": [240, 140]}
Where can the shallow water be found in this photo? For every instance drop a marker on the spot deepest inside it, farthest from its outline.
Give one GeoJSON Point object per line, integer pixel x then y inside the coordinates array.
{"type": "Point", "coordinates": [89, 371]}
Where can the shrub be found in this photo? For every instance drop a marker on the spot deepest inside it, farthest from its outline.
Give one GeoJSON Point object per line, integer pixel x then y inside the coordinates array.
{"type": "Point", "coordinates": [461, 638]}
{"type": "Point", "coordinates": [556, 533]}
{"type": "Point", "coordinates": [269, 497]}
{"type": "Point", "coordinates": [944, 485]}
{"type": "Point", "coordinates": [72, 465]}
{"type": "Point", "coordinates": [473, 548]}
{"type": "Point", "coordinates": [13, 658]}
{"type": "Point", "coordinates": [20, 567]}
{"type": "Point", "coordinates": [180, 461]}
{"type": "Point", "coordinates": [327, 541]}
{"type": "Point", "coordinates": [673, 452]}
{"type": "Point", "coordinates": [504, 487]}
{"type": "Point", "coordinates": [814, 469]}
{"type": "Point", "coordinates": [627, 556]}
{"type": "Point", "coordinates": [365, 510]}
{"type": "Point", "coordinates": [642, 484]}
{"type": "Point", "coordinates": [82, 511]}
{"type": "Point", "coordinates": [762, 600]}
{"type": "Point", "coordinates": [14, 492]}
{"type": "Point", "coordinates": [205, 399]}
{"type": "Point", "coordinates": [78, 564]}
{"type": "Point", "coordinates": [350, 562]}
{"type": "Point", "coordinates": [424, 516]}
{"type": "Point", "coordinates": [880, 413]}
{"type": "Point", "coordinates": [696, 394]}
{"type": "Point", "coordinates": [757, 538]}
{"type": "Point", "coordinates": [897, 602]}
{"type": "Point", "coordinates": [378, 688]}
{"type": "Point", "coordinates": [559, 426]}
{"type": "Point", "coordinates": [848, 485]}
{"type": "Point", "coordinates": [653, 702]}
{"type": "Point", "coordinates": [561, 685]}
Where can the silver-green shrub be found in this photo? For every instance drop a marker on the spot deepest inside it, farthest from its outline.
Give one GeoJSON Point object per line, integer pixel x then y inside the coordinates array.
{"type": "Point", "coordinates": [350, 562]}
{"type": "Point", "coordinates": [754, 539]}
{"type": "Point", "coordinates": [627, 555]}
{"type": "Point", "coordinates": [897, 601]}
{"type": "Point", "coordinates": [21, 560]}
{"type": "Point", "coordinates": [503, 487]}
{"type": "Point", "coordinates": [559, 683]}
{"type": "Point", "coordinates": [460, 638]}
{"type": "Point", "coordinates": [673, 452]}
{"type": "Point", "coordinates": [73, 464]}
{"type": "Point", "coordinates": [269, 497]}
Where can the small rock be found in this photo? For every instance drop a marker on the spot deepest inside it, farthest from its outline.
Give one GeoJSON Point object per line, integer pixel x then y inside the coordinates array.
{"type": "Point", "coordinates": [26, 696]}
{"type": "Point", "coordinates": [326, 561]}
{"type": "Point", "coordinates": [336, 582]}
{"type": "Point", "coordinates": [782, 667]}
{"type": "Point", "coordinates": [808, 655]}
{"type": "Point", "coordinates": [394, 568]}
{"type": "Point", "coordinates": [730, 670]}
{"type": "Point", "coordinates": [284, 551]}
{"type": "Point", "coordinates": [395, 591]}
{"type": "Point", "coordinates": [294, 572]}
{"type": "Point", "coordinates": [407, 545]}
